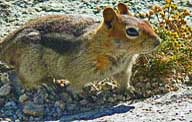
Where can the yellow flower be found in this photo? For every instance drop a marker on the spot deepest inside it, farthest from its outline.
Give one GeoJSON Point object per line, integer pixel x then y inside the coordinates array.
{"type": "Point", "coordinates": [168, 1]}
{"type": "Point", "coordinates": [162, 14]}
{"type": "Point", "coordinates": [175, 35]}
{"type": "Point", "coordinates": [151, 12]}
{"type": "Point", "coordinates": [167, 21]}
{"type": "Point", "coordinates": [165, 6]}
{"type": "Point", "coordinates": [186, 12]}
{"type": "Point", "coordinates": [174, 6]}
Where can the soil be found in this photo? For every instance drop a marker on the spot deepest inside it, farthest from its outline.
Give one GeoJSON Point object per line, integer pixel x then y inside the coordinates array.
{"type": "Point", "coordinates": [154, 102]}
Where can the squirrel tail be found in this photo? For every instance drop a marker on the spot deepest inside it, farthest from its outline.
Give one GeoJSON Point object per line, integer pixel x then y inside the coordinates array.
{"type": "Point", "coordinates": [7, 42]}
{"type": "Point", "coordinates": [4, 45]}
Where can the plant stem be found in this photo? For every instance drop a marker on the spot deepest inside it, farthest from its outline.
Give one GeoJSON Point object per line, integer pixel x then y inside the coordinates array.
{"type": "Point", "coordinates": [169, 9]}
{"type": "Point", "coordinates": [157, 18]}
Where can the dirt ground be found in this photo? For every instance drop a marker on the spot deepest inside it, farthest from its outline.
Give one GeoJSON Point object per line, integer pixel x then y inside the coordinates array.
{"type": "Point", "coordinates": [170, 107]}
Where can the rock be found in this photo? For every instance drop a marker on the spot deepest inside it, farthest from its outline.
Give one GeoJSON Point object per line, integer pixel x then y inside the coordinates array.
{"type": "Point", "coordinates": [67, 97]}
{"type": "Point", "coordinates": [2, 102]}
{"type": "Point", "coordinates": [9, 110]}
{"type": "Point", "coordinates": [5, 90]}
{"type": "Point", "coordinates": [190, 2]}
{"type": "Point", "coordinates": [71, 107]}
{"type": "Point", "coordinates": [84, 102]}
{"type": "Point", "coordinates": [5, 120]}
{"type": "Point", "coordinates": [17, 120]}
{"type": "Point", "coordinates": [11, 105]}
{"type": "Point", "coordinates": [40, 96]}
{"type": "Point", "coordinates": [60, 104]}
{"type": "Point", "coordinates": [4, 77]}
{"type": "Point", "coordinates": [148, 85]}
{"type": "Point", "coordinates": [33, 109]}
{"type": "Point", "coordinates": [23, 98]}
{"type": "Point", "coordinates": [38, 1]}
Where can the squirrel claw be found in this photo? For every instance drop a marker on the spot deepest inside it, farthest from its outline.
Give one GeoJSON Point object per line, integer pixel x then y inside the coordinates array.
{"type": "Point", "coordinates": [62, 82]}
{"type": "Point", "coordinates": [129, 92]}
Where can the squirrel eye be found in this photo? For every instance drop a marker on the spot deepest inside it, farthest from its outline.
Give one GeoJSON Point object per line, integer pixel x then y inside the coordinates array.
{"type": "Point", "coordinates": [132, 32]}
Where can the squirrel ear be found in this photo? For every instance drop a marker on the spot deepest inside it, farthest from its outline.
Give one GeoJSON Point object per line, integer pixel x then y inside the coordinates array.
{"type": "Point", "coordinates": [109, 16]}
{"type": "Point", "coordinates": [122, 8]}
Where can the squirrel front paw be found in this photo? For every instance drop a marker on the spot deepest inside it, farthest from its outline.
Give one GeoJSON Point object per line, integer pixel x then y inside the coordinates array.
{"type": "Point", "coordinates": [128, 91]}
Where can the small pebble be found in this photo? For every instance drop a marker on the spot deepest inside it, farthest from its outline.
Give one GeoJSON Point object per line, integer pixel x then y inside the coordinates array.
{"type": "Point", "coordinates": [5, 90]}
{"type": "Point", "coordinates": [190, 2]}
{"type": "Point", "coordinates": [23, 98]}
{"type": "Point", "coordinates": [33, 109]}
{"type": "Point", "coordinates": [4, 77]}
{"type": "Point", "coordinates": [83, 102]}
{"type": "Point", "coordinates": [71, 107]}
{"type": "Point", "coordinates": [2, 102]}
{"type": "Point", "coordinates": [60, 104]}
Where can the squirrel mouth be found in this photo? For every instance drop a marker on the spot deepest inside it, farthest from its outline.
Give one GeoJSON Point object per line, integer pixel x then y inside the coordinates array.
{"type": "Point", "coordinates": [152, 49]}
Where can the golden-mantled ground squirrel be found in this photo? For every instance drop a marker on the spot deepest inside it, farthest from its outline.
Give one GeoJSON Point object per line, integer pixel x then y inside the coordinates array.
{"type": "Point", "coordinates": [78, 48]}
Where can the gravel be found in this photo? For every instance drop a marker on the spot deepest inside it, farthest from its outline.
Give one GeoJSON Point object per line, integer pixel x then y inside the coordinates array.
{"type": "Point", "coordinates": [99, 102]}
{"type": "Point", "coordinates": [171, 107]}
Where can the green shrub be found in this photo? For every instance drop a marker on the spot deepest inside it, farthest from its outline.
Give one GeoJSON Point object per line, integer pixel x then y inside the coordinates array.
{"type": "Point", "coordinates": [172, 61]}
{"type": "Point", "coordinates": [176, 48]}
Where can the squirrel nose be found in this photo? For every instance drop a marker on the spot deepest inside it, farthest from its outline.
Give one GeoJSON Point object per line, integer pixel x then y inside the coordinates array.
{"type": "Point", "coordinates": [157, 42]}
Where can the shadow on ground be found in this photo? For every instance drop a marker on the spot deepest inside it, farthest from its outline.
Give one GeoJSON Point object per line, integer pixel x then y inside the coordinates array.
{"type": "Point", "coordinates": [97, 113]}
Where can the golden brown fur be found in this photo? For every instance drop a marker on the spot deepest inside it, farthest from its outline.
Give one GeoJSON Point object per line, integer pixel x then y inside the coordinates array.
{"type": "Point", "coordinates": [78, 49]}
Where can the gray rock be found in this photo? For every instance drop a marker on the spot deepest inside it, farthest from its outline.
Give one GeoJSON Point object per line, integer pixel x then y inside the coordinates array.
{"type": "Point", "coordinates": [2, 101]}
{"type": "Point", "coordinates": [71, 107]}
{"type": "Point", "coordinates": [3, 76]}
{"type": "Point", "coordinates": [5, 90]}
{"type": "Point", "coordinates": [33, 109]}
{"type": "Point", "coordinates": [17, 120]}
{"type": "Point", "coordinates": [84, 102]}
{"type": "Point", "coordinates": [190, 2]}
{"type": "Point", "coordinates": [173, 106]}
{"type": "Point", "coordinates": [23, 98]}
{"type": "Point", "coordinates": [60, 104]}
{"type": "Point", "coordinates": [15, 12]}
{"type": "Point", "coordinates": [5, 119]}
{"type": "Point", "coordinates": [11, 105]}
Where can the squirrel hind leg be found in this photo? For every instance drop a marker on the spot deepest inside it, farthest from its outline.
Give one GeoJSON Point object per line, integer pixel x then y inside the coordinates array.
{"type": "Point", "coordinates": [31, 67]}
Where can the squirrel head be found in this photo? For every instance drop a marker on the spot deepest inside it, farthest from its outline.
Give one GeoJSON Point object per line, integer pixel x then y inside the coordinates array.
{"type": "Point", "coordinates": [128, 33]}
